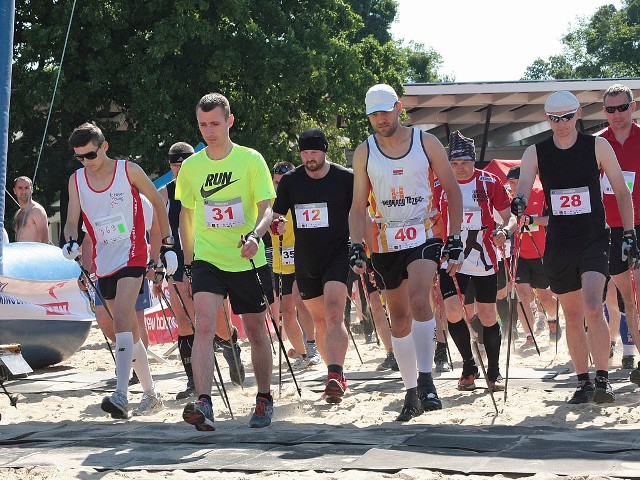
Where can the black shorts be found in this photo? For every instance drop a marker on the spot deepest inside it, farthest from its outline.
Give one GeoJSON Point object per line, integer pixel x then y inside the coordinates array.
{"type": "Point", "coordinates": [485, 289]}
{"type": "Point", "coordinates": [616, 264]}
{"type": "Point", "coordinates": [531, 271]}
{"type": "Point", "coordinates": [287, 282]}
{"type": "Point", "coordinates": [178, 276]}
{"type": "Point", "coordinates": [565, 261]}
{"type": "Point", "coordinates": [108, 285]}
{"type": "Point", "coordinates": [242, 288]}
{"type": "Point", "coordinates": [311, 283]}
{"type": "Point", "coordinates": [392, 266]}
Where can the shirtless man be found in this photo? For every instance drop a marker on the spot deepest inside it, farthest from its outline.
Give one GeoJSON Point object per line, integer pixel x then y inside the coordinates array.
{"type": "Point", "coordinates": [30, 221]}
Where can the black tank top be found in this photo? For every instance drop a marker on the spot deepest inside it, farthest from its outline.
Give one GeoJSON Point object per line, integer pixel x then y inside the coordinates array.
{"type": "Point", "coordinates": [574, 167]}
{"type": "Point", "coordinates": [174, 213]}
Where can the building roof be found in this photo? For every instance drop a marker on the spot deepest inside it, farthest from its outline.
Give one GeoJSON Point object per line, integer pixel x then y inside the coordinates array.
{"type": "Point", "coordinates": [502, 116]}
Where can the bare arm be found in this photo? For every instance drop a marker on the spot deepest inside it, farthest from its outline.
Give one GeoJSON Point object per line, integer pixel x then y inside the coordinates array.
{"type": "Point", "coordinates": [42, 224]}
{"type": "Point", "coordinates": [155, 239]}
{"type": "Point", "coordinates": [187, 238]}
{"type": "Point", "coordinates": [609, 163]}
{"type": "Point", "coordinates": [140, 180]}
{"type": "Point", "coordinates": [442, 168]}
{"type": "Point", "coordinates": [528, 171]}
{"type": "Point", "coordinates": [361, 189]}
{"type": "Point", "coordinates": [73, 211]}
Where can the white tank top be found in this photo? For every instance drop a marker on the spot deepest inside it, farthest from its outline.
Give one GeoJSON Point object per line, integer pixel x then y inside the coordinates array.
{"type": "Point", "coordinates": [401, 197]}
{"type": "Point", "coordinates": [114, 219]}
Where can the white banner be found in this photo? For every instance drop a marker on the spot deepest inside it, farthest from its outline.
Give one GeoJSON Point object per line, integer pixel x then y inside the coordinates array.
{"type": "Point", "coordinates": [43, 300]}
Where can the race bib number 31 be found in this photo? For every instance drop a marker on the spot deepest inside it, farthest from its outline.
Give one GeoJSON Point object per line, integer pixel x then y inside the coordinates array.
{"type": "Point", "coordinates": [224, 214]}
{"type": "Point", "coordinates": [570, 201]}
{"type": "Point", "coordinates": [312, 215]}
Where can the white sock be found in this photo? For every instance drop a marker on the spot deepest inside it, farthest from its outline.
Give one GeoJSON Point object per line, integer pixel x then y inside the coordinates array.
{"type": "Point", "coordinates": [124, 357]}
{"type": "Point", "coordinates": [424, 339]}
{"type": "Point", "coordinates": [628, 349]}
{"type": "Point", "coordinates": [405, 352]}
{"type": "Point", "coordinates": [141, 367]}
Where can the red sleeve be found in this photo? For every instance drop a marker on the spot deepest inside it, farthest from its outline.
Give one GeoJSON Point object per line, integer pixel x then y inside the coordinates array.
{"type": "Point", "coordinates": [500, 198]}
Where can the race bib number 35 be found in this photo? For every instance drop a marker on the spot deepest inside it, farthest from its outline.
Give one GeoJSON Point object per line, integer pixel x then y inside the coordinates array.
{"type": "Point", "coordinates": [287, 256]}
{"type": "Point", "coordinates": [312, 215]}
{"type": "Point", "coordinates": [224, 214]}
{"type": "Point", "coordinates": [570, 201]}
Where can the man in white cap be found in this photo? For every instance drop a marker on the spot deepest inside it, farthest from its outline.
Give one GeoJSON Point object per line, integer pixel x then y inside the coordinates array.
{"type": "Point", "coordinates": [577, 251]}
{"type": "Point", "coordinates": [394, 172]}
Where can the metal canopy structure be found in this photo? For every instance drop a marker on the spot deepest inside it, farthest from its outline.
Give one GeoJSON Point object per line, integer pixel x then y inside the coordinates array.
{"type": "Point", "coordinates": [502, 117]}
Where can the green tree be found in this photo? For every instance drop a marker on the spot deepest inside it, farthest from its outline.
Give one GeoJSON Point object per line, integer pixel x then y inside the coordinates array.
{"type": "Point", "coordinates": [138, 67]}
{"type": "Point", "coordinates": [422, 64]}
{"type": "Point", "coordinates": [604, 45]}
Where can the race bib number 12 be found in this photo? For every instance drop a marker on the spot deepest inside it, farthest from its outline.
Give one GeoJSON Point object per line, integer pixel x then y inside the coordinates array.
{"type": "Point", "coordinates": [312, 215]}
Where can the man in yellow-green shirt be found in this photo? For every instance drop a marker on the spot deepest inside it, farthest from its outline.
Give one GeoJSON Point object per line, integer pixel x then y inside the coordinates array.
{"type": "Point", "coordinates": [226, 194]}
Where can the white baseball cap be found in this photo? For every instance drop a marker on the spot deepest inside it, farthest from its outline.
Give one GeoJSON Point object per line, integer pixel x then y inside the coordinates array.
{"type": "Point", "coordinates": [560, 102]}
{"type": "Point", "coordinates": [380, 98]}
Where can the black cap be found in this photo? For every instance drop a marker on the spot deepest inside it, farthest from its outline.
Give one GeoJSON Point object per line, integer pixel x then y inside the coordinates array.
{"type": "Point", "coordinates": [514, 173]}
{"type": "Point", "coordinates": [313, 139]}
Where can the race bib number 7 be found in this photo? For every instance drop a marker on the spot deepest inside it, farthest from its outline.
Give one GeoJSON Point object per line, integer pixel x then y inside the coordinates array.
{"type": "Point", "coordinates": [570, 201]}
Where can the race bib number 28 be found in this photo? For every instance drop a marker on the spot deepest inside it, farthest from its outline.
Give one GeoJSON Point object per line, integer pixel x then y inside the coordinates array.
{"type": "Point", "coordinates": [570, 201]}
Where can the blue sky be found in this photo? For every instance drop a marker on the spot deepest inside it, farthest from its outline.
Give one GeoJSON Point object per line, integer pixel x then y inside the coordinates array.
{"type": "Point", "coordinates": [492, 39]}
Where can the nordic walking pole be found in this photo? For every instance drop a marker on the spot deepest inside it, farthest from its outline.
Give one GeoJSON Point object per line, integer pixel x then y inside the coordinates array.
{"type": "Point", "coordinates": [280, 319]}
{"type": "Point", "coordinates": [439, 312]}
{"type": "Point", "coordinates": [474, 342]}
{"type": "Point", "coordinates": [236, 360]}
{"type": "Point", "coordinates": [353, 340]}
{"type": "Point", "coordinates": [273, 320]}
{"type": "Point", "coordinates": [97, 293]}
{"type": "Point", "coordinates": [223, 391]}
{"type": "Point", "coordinates": [368, 300]}
{"type": "Point", "coordinates": [512, 292]}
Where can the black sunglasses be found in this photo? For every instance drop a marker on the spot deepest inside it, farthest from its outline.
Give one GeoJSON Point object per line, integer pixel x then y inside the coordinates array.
{"type": "Point", "coordinates": [562, 118]}
{"type": "Point", "coordinates": [621, 108]}
{"type": "Point", "coordinates": [281, 169]}
{"type": "Point", "coordinates": [87, 156]}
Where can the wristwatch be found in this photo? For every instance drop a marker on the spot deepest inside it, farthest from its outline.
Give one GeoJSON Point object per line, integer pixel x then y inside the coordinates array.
{"type": "Point", "coordinates": [253, 234]}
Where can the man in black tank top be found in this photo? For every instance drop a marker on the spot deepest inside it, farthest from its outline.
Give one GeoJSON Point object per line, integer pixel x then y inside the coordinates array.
{"type": "Point", "coordinates": [577, 251]}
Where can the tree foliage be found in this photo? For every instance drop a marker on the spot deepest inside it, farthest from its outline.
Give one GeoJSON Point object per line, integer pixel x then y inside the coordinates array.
{"type": "Point", "coordinates": [602, 46]}
{"type": "Point", "coordinates": [138, 67]}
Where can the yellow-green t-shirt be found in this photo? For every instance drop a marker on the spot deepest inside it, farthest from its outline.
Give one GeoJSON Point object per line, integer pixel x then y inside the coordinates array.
{"type": "Point", "coordinates": [224, 194]}
{"type": "Point", "coordinates": [283, 260]}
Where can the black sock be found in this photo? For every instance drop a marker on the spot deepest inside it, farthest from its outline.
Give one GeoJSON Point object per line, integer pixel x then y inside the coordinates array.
{"type": "Point", "coordinates": [602, 373]}
{"type": "Point", "coordinates": [311, 341]}
{"type": "Point", "coordinates": [460, 335]}
{"type": "Point", "coordinates": [266, 396]}
{"type": "Point", "coordinates": [492, 340]}
{"type": "Point", "coordinates": [584, 377]}
{"type": "Point", "coordinates": [426, 380]}
{"type": "Point", "coordinates": [205, 397]}
{"type": "Point", "coordinates": [185, 344]}
{"type": "Point", "coordinates": [335, 369]}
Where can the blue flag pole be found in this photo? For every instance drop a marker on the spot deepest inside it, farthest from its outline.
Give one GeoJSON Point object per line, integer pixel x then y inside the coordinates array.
{"type": "Point", "coordinates": [7, 15]}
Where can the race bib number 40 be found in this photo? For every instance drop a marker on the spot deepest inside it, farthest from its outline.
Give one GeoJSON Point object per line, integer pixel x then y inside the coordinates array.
{"type": "Point", "coordinates": [111, 229]}
{"type": "Point", "coordinates": [312, 215]}
{"type": "Point", "coordinates": [406, 236]}
{"type": "Point", "coordinates": [224, 214]}
{"type": "Point", "coordinates": [570, 201]}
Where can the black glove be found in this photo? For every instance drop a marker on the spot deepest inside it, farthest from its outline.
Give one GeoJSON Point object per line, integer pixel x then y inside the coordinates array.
{"type": "Point", "coordinates": [518, 205]}
{"type": "Point", "coordinates": [357, 255]}
{"type": "Point", "coordinates": [187, 272]}
{"type": "Point", "coordinates": [630, 251]}
{"type": "Point", "coordinates": [453, 250]}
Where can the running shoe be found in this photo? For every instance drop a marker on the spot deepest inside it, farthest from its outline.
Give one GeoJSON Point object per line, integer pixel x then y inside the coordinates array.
{"type": "Point", "coordinates": [335, 388]}
{"type": "Point", "coordinates": [200, 414]}
{"type": "Point", "coordinates": [441, 361]}
{"type": "Point", "coordinates": [412, 407]}
{"type": "Point", "coordinates": [528, 343]}
{"type": "Point", "coordinates": [603, 392]}
{"type": "Point", "coordinates": [262, 414]}
{"type": "Point", "coordinates": [368, 337]}
{"type": "Point", "coordinates": [555, 331]}
{"type": "Point", "coordinates": [628, 362]}
{"type": "Point", "coordinates": [117, 405]}
{"type": "Point", "coordinates": [134, 380]}
{"type": "Point", "coordinates": [236, 373]}
{"type": "Point", "coordinates": [189, 391]}
{"type": "Point", "coordinates": [301, 363]}
{"type": "Point", "coordinates": [151, 403]}
{"type": "Point", "coordinates": [388, 363]}
{"type": "Point", "coordinates": [467, 381]}
{"type": "Point", "coordinates": [429, 399]}
{"type": "Point", "coordinates": [583, 394]}
{"type": "Point", "coordinates": [496, 385]}
{"type": "Point", "coordinates": [635, 375]}
{"type": "Point", "coordinates": [612, 349]}
{"type": "Point", "coordinates": [313, 356]}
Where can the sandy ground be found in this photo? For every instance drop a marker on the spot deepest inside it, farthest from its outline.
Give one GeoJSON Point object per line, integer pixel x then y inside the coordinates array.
{"type": "Point", "coordinates": [524, 406]}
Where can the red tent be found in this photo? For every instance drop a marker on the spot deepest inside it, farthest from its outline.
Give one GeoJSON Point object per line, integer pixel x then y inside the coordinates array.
{"type": "Point", "coordinates": [501, 168]}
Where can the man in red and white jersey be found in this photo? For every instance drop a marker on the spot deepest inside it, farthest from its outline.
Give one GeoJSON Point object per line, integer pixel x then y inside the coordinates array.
{"type": "Point", "coordinates": [482, 193]}
{"type": "Point", "coordinates": [624, 136]}
{"type": "Point", "coordinates": [108, 194]}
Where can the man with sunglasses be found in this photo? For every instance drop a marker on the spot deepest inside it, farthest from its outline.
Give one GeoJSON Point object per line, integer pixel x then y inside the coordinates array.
{"type": "Point", "coordinates": [107, 193]}
{"type": "Point", "coordinates": [318, 194]}
{"type": "Point", "coordinates": [624, 136]}
{"type": "Point", "coordinates": [577, 249]}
